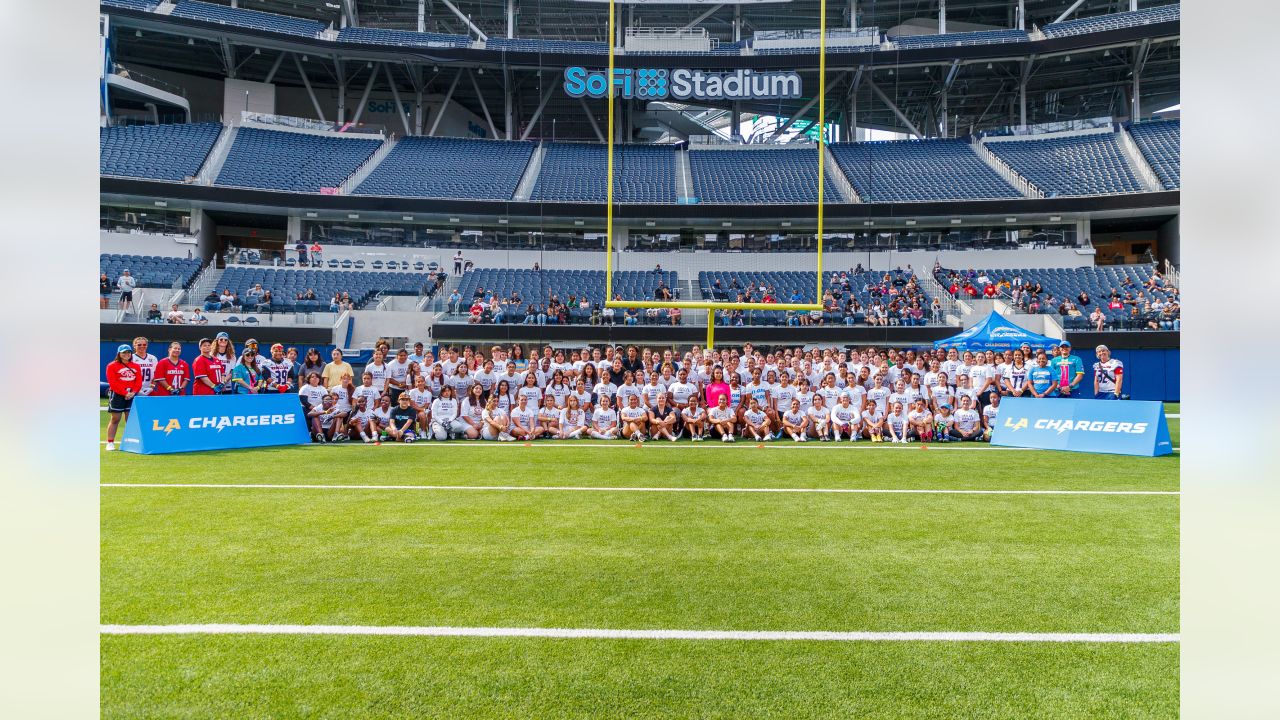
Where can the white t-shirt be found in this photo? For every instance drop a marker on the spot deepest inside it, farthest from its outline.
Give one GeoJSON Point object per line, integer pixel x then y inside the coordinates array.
{"type": "Point", "coordinates": [990, 413]}
{"type": "Point", "coordinates": [651, 393]}
{"type": "Point", "coordinates": [755, 417]}
{"type": "Point", "coordinates": [444, 410]}
{"type": "Point", "coordinates": [916, 417]}
{"type": "Point", "coordinates": [818, 415]}
{"type": "Point", "coordinates": [420, 398]}
{"type": "Point", "coordinates": [560, 393]}
{"type": "Point", "coordinates": [806, 400]}
{"type": "Point", "coordinates": [794, 418]}
{"type": "Point", "coordinates": [829, 395]}
{"type": "Point", "coordinates": [626, 391]}
{"type": "Point", "coordinates": [898, 421]}
{"type": "Point", "coordinates": [966, 420]}
{"type": "Point", "coordinates": [844, 414]}
{"type": "Point", "coordinates": [783, 394]}
{"type": "Point", "coordinates": [572, 418]}
{"type": "Point", "coordinates": [1016, 376]}
{"type": "Point", "coordinates": [379, 373]}
{"type": "Point", "coordinates": [632, 414]}
{"type": "Point", "coordinates": [681, 392]}
{"type": "Point", "coordinates": [719, 414]}
{"type": "Point", "coordinates": [1107, 373]}
{"type": "Point", "coordinates": [525, 418]}
{"type": "Point", "coordinates": [871, 417]}
{"type": "Point", "coordinates": [398, 371]}
{"type": "Point", "coordinates": [879, 396]}
{"type": "Point", "coordinates": [369, 393]}
{"type": "Point", "coordinates": [603, 390]}
{"type": "Point", "coordinates": [602, 419]}
{"type": "Point", "coordinates": [341, 401]}
{"type": "Point", "coordinates": [532, 394]}
{"type": "Point", "coordinates": [474, 411]}
{"type": "Point", "coordinates": [383, 416]}
{"type": "Point", "coordinates": [314, 394]}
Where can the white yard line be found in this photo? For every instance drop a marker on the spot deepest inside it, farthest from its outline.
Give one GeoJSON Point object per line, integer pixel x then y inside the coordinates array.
{"type": "Point", "coordinates": [686, 445]}
{"type": "Point", "coordinates": [575, 488]}
{"type": "Point", "coordinates": [593, 633]}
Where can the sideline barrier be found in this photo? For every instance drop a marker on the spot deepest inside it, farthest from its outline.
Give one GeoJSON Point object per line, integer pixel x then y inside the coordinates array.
{"type": "Point", "coordinates": [1118, 427]}
{"type": "Point", "coordinates": [215, 422]}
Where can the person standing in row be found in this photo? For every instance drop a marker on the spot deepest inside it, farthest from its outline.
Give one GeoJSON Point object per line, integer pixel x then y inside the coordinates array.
{"type": "Point", "coordinates": [124, 380]}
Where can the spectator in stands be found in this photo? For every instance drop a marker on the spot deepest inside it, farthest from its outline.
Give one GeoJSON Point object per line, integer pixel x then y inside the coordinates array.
{"type": "Point", "coordinates": [153, 314]}
{"type": "Point", "coordinates": [197, 318]}
{"type": "Point", "coordinates": [631, 317]}
{"type": "Point", "coordinates": [125, 284]}
{"type": "Point", "coordinates": [662, 292]}
{"type": "Point", "coordinates": [264, 303]}
{"type": "Point", "coordinates": [104, 290]}
{"type": "Point", "coordinates": [1097, 319]}
{"type": "Point", "coordinates": [315, 252]}
{"type": "Point", "coordinates": [212, 303]}
{"type": "Point", "coordinates": [1083, 299]}
{"type": "Point", "coordinates": [335, 305]}
{"type": "Point", "coordinates": [226, 300]}
{"type": "Point", "coordinates": [254, 296]}
{"type": "Point", "coordinates": [301, 249]}
{"type": "Point", "coordinates": [176, 316]}
{"type": "Point", "coordinates": [935, 311]}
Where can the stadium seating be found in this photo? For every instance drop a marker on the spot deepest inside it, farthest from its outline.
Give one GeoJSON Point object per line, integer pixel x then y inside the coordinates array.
{"type": "Point", "coordinates": [286, 284]}
{"type": "Point", "coordinates": [1067, 284]}
{"type": "Point", "coordinates": [1114, 21]}
{"type": "Point", "coordinates": [156, 152]}
{"type": "Point", "coordinates": [450, 168]}
{"type": "Point", "coordinates": [1072, 165]}
{"type": "Point", "coordinates": [785, 284]}
{"type": "Point", "coordinates": [575, 172]}
{"type": "Point", "coordinates": [150, 270]}
{"type": "Point", "coordinates": [402, 38]}
{"type": "Point", "coordinates": [534, 286]}
{"type": "Point", "coordinates": [297, 162]}
{"type": "Point", "coordinates": [1160, 142]}
{"type": "Point", "coordinates": [758, 176]}
{"type": "Point", "coordinates": [911, 170]}
{"type": "Point", "coordinates": [569, 47]}
{"type": "Point", "coordinates": [984, 37]}
{"type": "Point", "coordinates": [253, 19]}
{"type": "Point", "coordinates": [147, 5]}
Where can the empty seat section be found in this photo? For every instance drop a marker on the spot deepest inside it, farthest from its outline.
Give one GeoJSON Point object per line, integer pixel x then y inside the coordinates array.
{"type": "Point", "coordinates": [758, 176]}
{"type": "Point", "coordinates": [402, 38]}
{"type": "Point", "coordinates": [1073, 165]}
{"type": "Point", "coordinates": [571, 47]}
{"type": "Point", "coordinates": [575, 172]}
{"type": "Point", "coordinates": [983, 37]}
{"type": "Point", "coordinates": [536, 286]}
{"type": "Point", "coordinates": [450, 168]}
{"type": "Point", "coordinates": [157, 152]}
{"type": "Point", "coordinates": [149, 270]}
{"type": "Point", "coordinates": [254, 19]}
{"type": "Point", "coordinates": [286, 284]}
{"type": "Point", "coordinates": [1161, 144]}
{"type": "Point", "coordinates": [1114, 21]}
{"type": "Point", "coordinates": [132, 4]}
{"type": "Point", "coordinates": [297, 162]}
{"type": "Point", "coordinates": [913, 170]}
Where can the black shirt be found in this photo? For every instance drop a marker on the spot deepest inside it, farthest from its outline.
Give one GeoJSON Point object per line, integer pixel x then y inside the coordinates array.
{"type": "Point", "coordinates": [400, 415]}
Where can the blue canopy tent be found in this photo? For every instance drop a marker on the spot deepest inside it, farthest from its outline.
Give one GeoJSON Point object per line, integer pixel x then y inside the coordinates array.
{"type": "Point", "coordinates": [996, 333]}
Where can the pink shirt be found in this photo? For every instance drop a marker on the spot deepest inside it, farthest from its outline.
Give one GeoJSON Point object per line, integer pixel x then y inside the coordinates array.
{"type": "Point", "coordinates": [714, 391]}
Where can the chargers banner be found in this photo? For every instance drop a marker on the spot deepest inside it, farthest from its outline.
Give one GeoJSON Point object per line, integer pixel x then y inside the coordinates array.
{"type": "Point", "coordinates": [214, 422]}
{"type": "Point", "coordinates": [1119, 427]}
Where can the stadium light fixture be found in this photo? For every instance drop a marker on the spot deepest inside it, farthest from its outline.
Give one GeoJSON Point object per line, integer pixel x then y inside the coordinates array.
{"type": "Point", "coordinates": [454, 220]}
{"type": "Point", "coordinates": [867, 223]}
{"type": "Point", "coordinates": [1055, 218]}
{"type": "Point", "coordinates": [305, 58]}
{"type": "Point", "coordinates": [579, 223]}
{"type": "Point", "coordinates": [726, 224]}
{"type": "Point", "coordinates": [1011, 220]}
{"type": "Point", "coordinates": [353, 216]}
{"type": "Point", "coordinates": [312, 214]}
{"type": "Point", "coordinates": [162, 203]}
{"type": "Point", "coordinates": [955, 221]}
{"type": "Point", "coordinates": [911, 222]}
{"type": "Point", "coordinates": [649, 223]}
{"type": "Point", "coordinates": [407, 218]}
{"type": "Point", "coordinates": [786, 223]}
{"type": "Point", "coordinates": [191, 41]}
{"type": "Point", "coordinates": [503, 221]}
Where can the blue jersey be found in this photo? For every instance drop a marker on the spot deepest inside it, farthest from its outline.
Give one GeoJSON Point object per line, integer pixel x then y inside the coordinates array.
{"type": "Point", "coordinates": [1065, 371]}
{"type": "Point", "coordinates": [1042, 378]}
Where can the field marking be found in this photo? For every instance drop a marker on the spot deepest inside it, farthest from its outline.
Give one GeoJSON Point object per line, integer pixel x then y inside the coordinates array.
{"type": "Point", "coordinates": [576, 488]}
{"type": "Point", "coordinates": [594, 633]}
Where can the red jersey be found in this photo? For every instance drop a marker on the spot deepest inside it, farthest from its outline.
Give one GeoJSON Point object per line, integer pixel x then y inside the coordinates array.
{"type": "Point", "coordinates": [208, 367]}
{"type": "Point", "coordinates": [123, 377]}
{"type": "Point", "coordinates": [176, 374]}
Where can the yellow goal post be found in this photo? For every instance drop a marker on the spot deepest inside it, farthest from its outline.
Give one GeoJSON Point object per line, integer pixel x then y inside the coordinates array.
{"type": "Point", "coordinates": [712, 306]}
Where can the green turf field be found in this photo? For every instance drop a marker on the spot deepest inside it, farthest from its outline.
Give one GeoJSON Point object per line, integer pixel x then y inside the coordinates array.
{"type": "Point", "coordinates": [506, 558]}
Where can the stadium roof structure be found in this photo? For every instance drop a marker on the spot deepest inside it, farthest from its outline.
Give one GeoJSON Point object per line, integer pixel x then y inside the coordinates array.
{"type": "Point", "coordinates": [930, 91]}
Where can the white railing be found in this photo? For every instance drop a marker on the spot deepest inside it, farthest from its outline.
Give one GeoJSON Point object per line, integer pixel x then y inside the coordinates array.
{"type": "Point", "coordinates": [1137, 161]}
{"type": "Point", "coordinates": [1024, 186]}
{"type": "Point", "coordinates": [836, 173]}
{"type": "Point", "coordinates": [217, 156]}
{"type": "Point", "coordinates": [349, 185]}
{"type": "Point", "coordinates": [1172, 276]}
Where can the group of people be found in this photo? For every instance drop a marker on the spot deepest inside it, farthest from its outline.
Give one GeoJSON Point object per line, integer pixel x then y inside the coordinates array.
{"type": "Point", "coordinates": [825, 395]}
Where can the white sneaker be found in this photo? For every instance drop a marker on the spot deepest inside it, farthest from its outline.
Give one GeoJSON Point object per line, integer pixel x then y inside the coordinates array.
{"type": "Point", "coordinates": [505, 437]}
{"type": "Point", "coordinates": [730, 436]}
{"type": "Point", "coordinates": [111, 446]}
{"type": "Point", "coordinates": [804, 438]}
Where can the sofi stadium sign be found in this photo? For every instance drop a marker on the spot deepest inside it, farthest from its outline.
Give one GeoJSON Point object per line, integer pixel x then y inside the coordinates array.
{"type": "Point", "coordinates": [682, 84]}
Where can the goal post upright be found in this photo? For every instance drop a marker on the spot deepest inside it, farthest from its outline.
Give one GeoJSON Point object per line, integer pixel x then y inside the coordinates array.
{"type": "Point", "coordinates": [712, 306]}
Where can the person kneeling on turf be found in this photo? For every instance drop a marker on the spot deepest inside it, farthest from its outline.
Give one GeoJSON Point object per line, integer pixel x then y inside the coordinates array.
{"type": "Point", "coordinates": [819, 419]}
{"type": "Point", "coordinates": [794, 422]}
{"type": "Point", "coordinates": [722, 418]}
{"type": "Point", "coordinates": [495, 422]}
{"type": "Point", "coordinates": [604, 421]}
{"type": "Point", "coordinates": [694, 419]}
{"type": "Point", "coordinates": [444, 413]}
{"type": "Point", "coordinates": [573, 421]}
{"type": "Point", "coordinates": [634, 420]}
{"type": "Point", "coordinates": [920, 423]}
{"type": "Point", "coordinates": [967, 424]}
{"type": "Point", "coordinates": [524, 420]}
{"type": "Point", "coordinates": [360, 423]}
{"type": "Point", "coordinates": [403, 416]}
{"type": "Point", "coordinates": [662, 420]}
{"type": "Point", "coordinates": [756, 421]}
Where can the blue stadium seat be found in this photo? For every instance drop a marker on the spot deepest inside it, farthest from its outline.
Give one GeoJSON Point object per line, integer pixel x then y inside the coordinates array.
{"type": "Point", "coordinates": [157, 152]}
{"type": "Point", "coordinates": [1072, 165]}
{"type": "Point", "coordinates": [292, 161]}
{"type": "Point", "coordinates": [150, 270]}
{"type": "Point", "coordinates": [575, 172]}
{"type": "Point", "coordinates": [916, 170]}
{"type": "Point", "coordinates": [1161, 144]}
{"type": "Point", "coordinates": [983, 37]}
{"type": "Point", "coordinates": [253, 19]}
{"type": "Point", "coordinates": [758, 176]}
{"type": "Point", "coordinates": [401, 38]}
{"type": "Point", "coordinates": [449, 168]}
{"type": "Point", "coordinates": [286, 284]}
{"type": "Point", "coordinates": [1114, 21]}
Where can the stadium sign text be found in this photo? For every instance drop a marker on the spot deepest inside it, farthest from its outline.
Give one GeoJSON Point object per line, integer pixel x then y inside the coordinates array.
{"type": "Point", "coordinates": [682, 84]}
{"type": "Point", "coordinates": [1120, 427]}
{"type": "Point", "coordinates": [213, 422]}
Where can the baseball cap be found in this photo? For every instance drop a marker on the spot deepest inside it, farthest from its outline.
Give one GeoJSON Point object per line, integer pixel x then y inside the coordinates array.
{"type": "Point", "coordinates": [204, 340]}
{"type": "Point", "coordinates": [945, 405]}
{"type": "Point", "coordinates": [124, 348]}
{"type": "Point", "coordinates": [277, 345]}
{"type": "Point", "coordinates": [1064, 343]}
{"type": "Point", "coordinates": [251, 341]}
{"type": "Point", "coordinates": [222, 336]}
